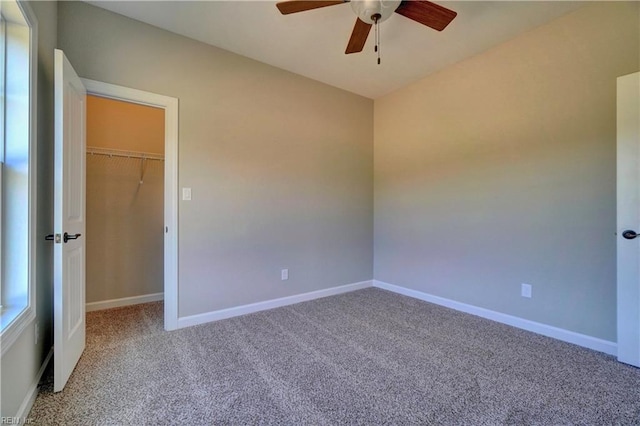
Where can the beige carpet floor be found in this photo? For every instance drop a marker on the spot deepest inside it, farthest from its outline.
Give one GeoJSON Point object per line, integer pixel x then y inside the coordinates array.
{"type": "Point", "coordinates": [369, 357]}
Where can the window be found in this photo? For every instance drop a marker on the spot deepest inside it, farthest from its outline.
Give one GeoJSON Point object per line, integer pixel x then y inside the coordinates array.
{"type": "Point", "coordinates": [3, 43]}
{"type": "Point", "coordinates": [18, 65]}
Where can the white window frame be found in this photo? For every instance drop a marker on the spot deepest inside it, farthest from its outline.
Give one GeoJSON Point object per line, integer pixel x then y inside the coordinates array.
{"type": "Point", "coordinates": [15, 319]}
{"type": "Point", "coordinates": [3, 35]}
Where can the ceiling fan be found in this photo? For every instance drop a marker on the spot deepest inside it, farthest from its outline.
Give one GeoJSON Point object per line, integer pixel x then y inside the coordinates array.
{"type": "Point", "coordinates": [372, 12]}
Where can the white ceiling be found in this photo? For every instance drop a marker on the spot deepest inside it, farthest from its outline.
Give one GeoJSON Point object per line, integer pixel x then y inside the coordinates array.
{"type": "Point", "coordinates": [312, 43]}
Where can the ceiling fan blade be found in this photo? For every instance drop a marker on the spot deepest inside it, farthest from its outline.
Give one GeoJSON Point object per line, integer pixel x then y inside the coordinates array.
{"type": "Point", "coordinates": [426, 13]}
{"type": "Point", "coordinates": [358, 37]}
{"type": "Point", "coordinates": [294, 6]}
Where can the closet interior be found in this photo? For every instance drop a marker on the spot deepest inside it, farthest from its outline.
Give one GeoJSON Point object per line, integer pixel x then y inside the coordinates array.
{"type": "Point", "coordinates": [125, 203]}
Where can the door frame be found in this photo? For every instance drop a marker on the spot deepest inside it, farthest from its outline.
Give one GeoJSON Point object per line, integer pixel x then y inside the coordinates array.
{"type": "Point", "coordinates": [170, 106]}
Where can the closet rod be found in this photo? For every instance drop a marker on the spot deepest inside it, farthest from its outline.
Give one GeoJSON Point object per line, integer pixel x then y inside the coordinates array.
{"type": "Point", "coordinates": [127, 154]}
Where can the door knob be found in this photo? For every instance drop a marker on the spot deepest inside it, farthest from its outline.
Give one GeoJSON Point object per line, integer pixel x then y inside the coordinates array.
{"type": "Point", "coordinates": [629, 234]}
{"type": "Point", "coordinates": [68, 237]}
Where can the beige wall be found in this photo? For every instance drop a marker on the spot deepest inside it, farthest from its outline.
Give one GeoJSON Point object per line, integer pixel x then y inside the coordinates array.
{"type": "Point", "coordinates": [124, 217]}
{"type": "Point", "coordinates": [124, 126]}
{"type": "Point", "coordinates": [280, 165]}
{"type": "Point", "coordinates": [21, 363]}
{"type": "Point", "coordinates": [501, 169]}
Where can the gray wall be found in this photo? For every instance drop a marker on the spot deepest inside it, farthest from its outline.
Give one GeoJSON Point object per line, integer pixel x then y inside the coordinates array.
{"type": "Point", "coordinates": [20, 365]}
{"type": "Point", "coordinates": [501, 170]}
{"type": "Point", "coordinates": [280, 165]}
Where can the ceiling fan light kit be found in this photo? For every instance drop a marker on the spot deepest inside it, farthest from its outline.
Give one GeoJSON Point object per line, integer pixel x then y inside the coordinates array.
{"type": "Point", "coordinates": [372, 12]}
{"type": "Point", "coordinates": [365, 10]}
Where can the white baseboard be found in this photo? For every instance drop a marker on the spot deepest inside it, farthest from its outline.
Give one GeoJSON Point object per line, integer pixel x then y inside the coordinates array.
{"type": "Point", "coordinates": [590, 342]}
{"type": "Point", "coordinates": [32, 393]}
{"type": "Point", "coordinates": [269, 304]}
{"type": "Point", "coordinates": [125, 301]}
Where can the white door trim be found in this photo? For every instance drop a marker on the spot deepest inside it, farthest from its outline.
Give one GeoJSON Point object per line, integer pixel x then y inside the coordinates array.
{"type": "Point", "coordinates": [170, 106]}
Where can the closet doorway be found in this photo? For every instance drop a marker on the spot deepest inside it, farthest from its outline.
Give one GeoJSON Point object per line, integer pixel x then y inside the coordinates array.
{"type": "Point", "coordinates": [125, 199]}
{"type": "Point", "coordinates": [132, 202]}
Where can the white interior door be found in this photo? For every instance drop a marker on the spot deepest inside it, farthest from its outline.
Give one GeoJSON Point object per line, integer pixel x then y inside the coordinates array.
{"type": "Point", "coordinates": [628, 193]}
{"type": "Point", "coordinates": [69, 220]}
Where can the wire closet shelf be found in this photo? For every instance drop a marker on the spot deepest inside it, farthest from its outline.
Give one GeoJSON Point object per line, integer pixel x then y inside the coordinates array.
{"type": "Point", "coordinates": [142, 156]}
{"type": "Point", "coordinates": [92, 150]}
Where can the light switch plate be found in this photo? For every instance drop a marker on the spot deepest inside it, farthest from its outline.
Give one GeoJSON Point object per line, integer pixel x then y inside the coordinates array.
{"type": "Point", "coordinates": [186, 194]}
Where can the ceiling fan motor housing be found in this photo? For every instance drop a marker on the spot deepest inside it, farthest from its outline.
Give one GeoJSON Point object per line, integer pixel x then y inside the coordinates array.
{"type": "Point", "coordinates": [367, 9]}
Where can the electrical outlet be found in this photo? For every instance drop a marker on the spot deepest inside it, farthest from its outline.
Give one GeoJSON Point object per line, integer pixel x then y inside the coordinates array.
{"type": "Point", "coordinates": [525, 290]}
{"type": "Point", "coordinates": [284, 274]}
{"type": "Point", "coordinates": [37, 333]}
